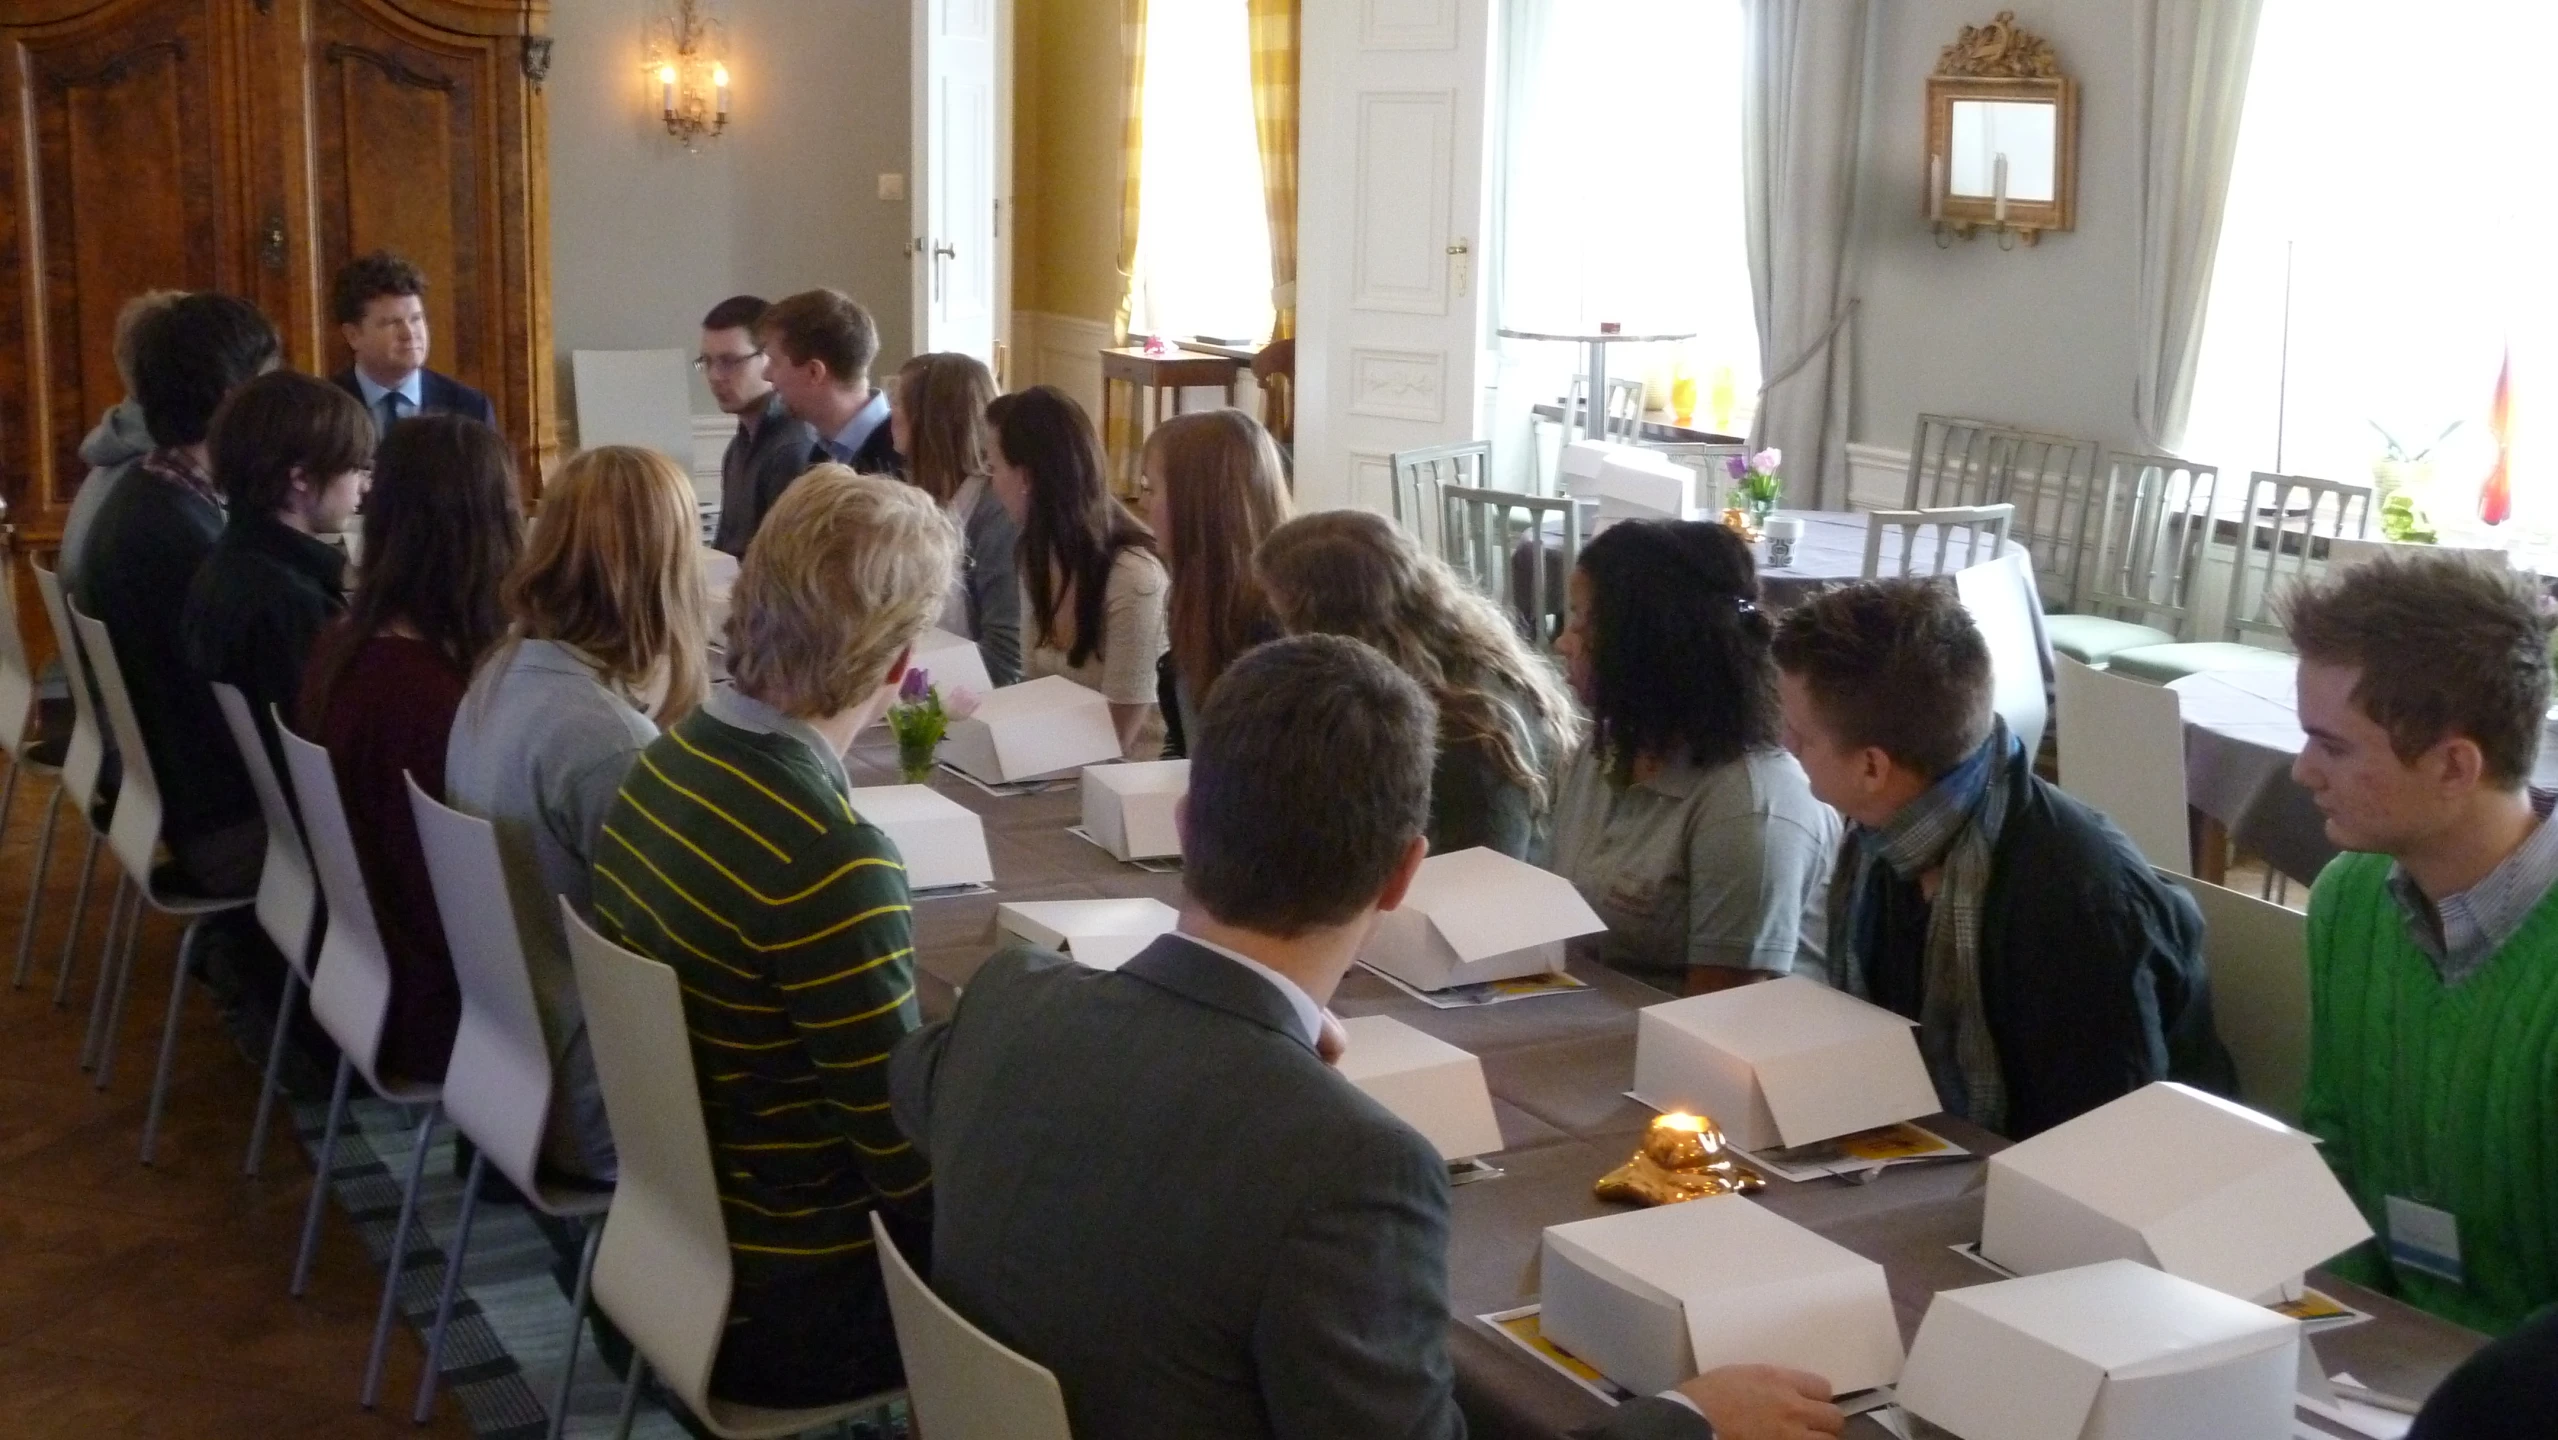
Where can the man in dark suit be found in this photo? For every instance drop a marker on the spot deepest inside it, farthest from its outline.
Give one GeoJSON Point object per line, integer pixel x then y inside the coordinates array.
{"type": "Point", "coordinates": [380, 305]}
{"type": "Point", "coordinates": [1152, 1182]}
{"type": "Point", "coordinates": [818, 349]}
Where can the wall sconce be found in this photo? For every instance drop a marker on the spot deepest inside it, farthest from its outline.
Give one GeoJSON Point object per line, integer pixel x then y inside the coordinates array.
{"type": "Point", "coordinates": [2002, 137]}
{"type": "Point", "coordinates": [688, 70]}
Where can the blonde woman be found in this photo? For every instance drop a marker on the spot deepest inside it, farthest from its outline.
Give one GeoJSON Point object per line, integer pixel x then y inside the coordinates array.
{"type": "Point", "coordinates": [604, 645]}
{"type": "Point", "coordinates": [1214, 492]}
{"type": "Point", "coordinates": [1505, 719]}
{"type": "Point", "coordinates": [936, 418]}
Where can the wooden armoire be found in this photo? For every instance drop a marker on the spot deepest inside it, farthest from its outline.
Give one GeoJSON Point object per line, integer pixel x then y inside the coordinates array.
{"type": "Point", "coordinates": [252, 146]}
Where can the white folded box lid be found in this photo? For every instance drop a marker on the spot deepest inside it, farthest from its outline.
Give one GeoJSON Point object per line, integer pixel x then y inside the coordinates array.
{"type": "Point", "coordinates": [1429, 1084]}
{"type": "Point", "coordinates": [1652, 1297]}
{"type": "Point", "coordinates": [1128, 808]}
{"type": "Point", "coordinates": [942, 841]}
{"type": "Point", "coordinates": [2114, 1351]}
{"type": "Point", "coordinates": [1784, 1062]}
{"type": "Point", "coordinates": [1101, 933]}
{"type": "Point", "coordinates": [1477, 915]}
{"type": "Point", "coordinates": [1647, 480]}
{"type": "Point", "coordinates": [1578, 465]}
{"type": "Point", "coordinates": [1037, 728]}
{"type": "Point", "coordinates": [952, 662]}
{"type": "Point", "coordinates": [2196, 1185]}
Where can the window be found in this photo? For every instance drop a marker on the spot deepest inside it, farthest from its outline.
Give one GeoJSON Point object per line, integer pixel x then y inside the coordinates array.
{"type": "Point", "coordinates": [1203, 232]}
{"type": "Point", "coordinates": [2404, 189]}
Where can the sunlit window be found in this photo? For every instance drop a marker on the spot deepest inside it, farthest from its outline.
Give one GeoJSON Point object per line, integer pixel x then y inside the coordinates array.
{"type": "Point", "coordinates": [1203, 232]}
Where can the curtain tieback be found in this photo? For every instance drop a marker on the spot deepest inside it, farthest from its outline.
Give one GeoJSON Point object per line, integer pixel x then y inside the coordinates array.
{"type": "Point", "coordinates": [1819, 343]}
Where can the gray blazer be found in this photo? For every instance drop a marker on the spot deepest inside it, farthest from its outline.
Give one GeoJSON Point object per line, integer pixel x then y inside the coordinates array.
{"type": "Point", "coordinates": [753, 473]}
{"type": "Point", "coordinates": [1145, 1180]}
{"type": "Point", "coordinates": [990, 573]}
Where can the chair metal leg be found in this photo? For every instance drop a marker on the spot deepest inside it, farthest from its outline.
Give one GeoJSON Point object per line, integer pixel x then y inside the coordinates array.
{"type": "Point", "coordinates": [452, 1285]}
{"type": "Point", "coordinates": [110, 958]}
{"type": "Point", "coordinates": [320, 1179]}
{"type": "Point", "coordinates": [168, 1043]}
{"type": "Point", "coordinates": [630, 1397]}
{"type": "Point", "coordinates": [578, 1299]}
{"type": "Point", "coordinates": [35, 888]}
{"type": "Point", "coordinates": [124, 969]}
{"type": "Point", "coordinates": [274, 1062]}
{"type": "Point", "coordinates": [79, 916]}
{"type": "Point", "coordinates": [399, 1255]}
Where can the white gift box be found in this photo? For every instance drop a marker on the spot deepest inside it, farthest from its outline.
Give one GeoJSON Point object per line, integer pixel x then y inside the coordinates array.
{"type": "Point", "coordinates": [943, 842]}
{"type": "Point", "coordinates": [1128, 808]}
{"type": "Point", "coordinates": [2198, 1186]}
{"type": "Point", "coordinates": [951, 663]}
{"type": "Point", "coordinates": [1101, 933]}
{"type": "Point", "coordinates": [1781, 1063]}
{"type": "Point", "coordinates": [1579, 463]}
{"type": "Point", "coordinates": [1032, 730]}
{"type": "Point", "coordinates": [1477, 915]}
{"type": "Point", "coordinates": [1646, 481]}
{"type": "Point", "coordinates": [2116, 1351]}
{"type": "Point", "coordinates": [1652, 1297]}
{"type": "Point", "coordinates": [1429, 1084]}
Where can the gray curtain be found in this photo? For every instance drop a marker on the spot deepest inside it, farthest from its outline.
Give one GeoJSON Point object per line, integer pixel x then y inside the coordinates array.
{"type": "Point", "coordinates": [1803, 117]}
{"type": "Point", "coordinates": [2189, 89]}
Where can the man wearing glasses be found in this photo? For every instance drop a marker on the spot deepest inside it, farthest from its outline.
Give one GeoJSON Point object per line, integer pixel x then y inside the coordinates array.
{"type": "Point", "coordinates": [771, 447]}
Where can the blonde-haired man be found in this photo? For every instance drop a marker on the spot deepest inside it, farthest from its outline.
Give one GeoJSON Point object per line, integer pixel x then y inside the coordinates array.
{"type": "Point", "coordinates": [734, 854]}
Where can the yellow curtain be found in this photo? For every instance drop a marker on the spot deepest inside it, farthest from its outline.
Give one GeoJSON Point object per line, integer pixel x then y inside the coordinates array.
{"type": "Point", "coordinates": [1120, 427]}
{"type": "Point", "coordinates": [1274, 109]}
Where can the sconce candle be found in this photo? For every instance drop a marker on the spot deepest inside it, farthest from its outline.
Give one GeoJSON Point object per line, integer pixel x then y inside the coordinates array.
{"type": "Point", "coordinates": [719, 79]}
{"type": "Point", "coordinates": [666, 89]}
{"type": "Point", "coordinates": [1998, 187]}
{"type": "Point", "coordinates": [1936, 189]}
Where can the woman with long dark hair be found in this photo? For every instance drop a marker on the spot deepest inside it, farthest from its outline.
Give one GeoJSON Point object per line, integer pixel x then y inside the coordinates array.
{"type": "Point", "coordinates": [441, 529]}
{"type": "Point", "coordinates": [1683, 821]}
{"type": "Point", "coordinates": [1093, 584]}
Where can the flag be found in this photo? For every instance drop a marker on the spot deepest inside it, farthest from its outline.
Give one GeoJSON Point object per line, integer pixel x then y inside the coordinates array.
{"type": "Point", "coordinates": [2496, 497]}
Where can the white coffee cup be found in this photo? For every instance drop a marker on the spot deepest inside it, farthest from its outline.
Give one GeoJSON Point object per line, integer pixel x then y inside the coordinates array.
{"type": "Point", "coordinates": [1781, 533]}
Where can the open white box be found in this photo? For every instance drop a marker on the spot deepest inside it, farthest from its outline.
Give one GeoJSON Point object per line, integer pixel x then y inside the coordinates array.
{"type": "Point", "coordinates": [1578, 464]}
{"type": "Point", "coordinates": [1033, 730]}
{"type": "Point", "coordinates": [943, 842]}
{"type": "Point", "coordinates": [2116, 1351]}
{"type": "Point", "coordinates": [1128, 808]}
{"type": "Point", "coordinates": [1478, 915]}
{"type": "Point", "coordinates": [1781, 1063]}
{"type": "Point", "coordinates": [2198, 1186]}
{"type": "Point", "coordinates": [1652, 1297]}
{"type": "Point", "coordinates": [1101, 933]}
{"type": "Point", "coordinates": [1646, 481]}
{"type": "Point", "coordinates": [1429, 1084]}
{"type": "Point", "coordinates": [951, 663]}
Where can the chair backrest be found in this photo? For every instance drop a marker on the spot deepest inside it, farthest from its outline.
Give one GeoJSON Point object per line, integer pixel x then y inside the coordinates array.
{"type": "Point", "coordinates": [497, 1087]}
{"type": "Point", "coordinates": [1418, 474]}
{"type": "Point", "coordinates": [17, 672]}
{"type": "Point", "coordinates": [2344, 552]}
{"type": "Point", "coordinates": [963, 1383]}
{"type": "Point", "coordinates": [134, 834]}
{"type": "Point", "coordinates": [1501, 541]}
{"type": "Point", "coordinates": [663, 1273]}
{"type": "Point", "coordinates": [1620, 419]}
{"type": "Point", "coordinates": [351, 981]}
{"type": "Point", "coordinates": [2122, 750]}
{"type": "Point", "coordinates": [1982, 528]}
{"type": "Point", "coordinates": [2000, 596]}
{"type": "Point", "coordinates": [2152, 521]}
{"type": "Point", "coordinates": [2258, 956]}
{"type": "Point", "coordinates": [2286, 518]}
{"type": "Point", "coordinates": [2052, 482]}
{"type": "Point", "coordinates": [86, 756]}
{"type": "Point", "coordinates": [1952, 462]}
{"type": "Point", "coordinates": [288, 889]}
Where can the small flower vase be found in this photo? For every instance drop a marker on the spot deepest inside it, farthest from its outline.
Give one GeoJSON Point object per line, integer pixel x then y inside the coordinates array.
{"type": "Point", "coordinates": [1759, 509]}
{"type": "Point", "coordinates": [915, 758]}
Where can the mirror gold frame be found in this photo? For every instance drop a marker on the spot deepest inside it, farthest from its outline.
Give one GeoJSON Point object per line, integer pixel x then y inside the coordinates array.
{"type": "Point", "coordinates": [2000, 63]}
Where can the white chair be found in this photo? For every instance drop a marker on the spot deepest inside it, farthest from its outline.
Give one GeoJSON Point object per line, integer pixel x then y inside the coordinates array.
{"type": "Point", "coordinates": [963, 1383]}
{"type": "Point", "coordinates": [2258, 957]}
{"type": "Point", "coordinates": [1982, 527]}
{"type": "Point", "coordinates": [1418, 474]}
{"type": "Point", "coordinates": [1516, 548]}
{"type": "Point", "coordinates": [2152, 520]}
{"type": "Point", "coordinates": [663, 1275]}
{"type": "Point", "coordinates": [2122, 750]}
{"type": "Point", "coordinates": [2287, 520]}
{"type": "Point", "coordinates": [497, 1086]}
{"type": "Point", "coordinates": [17, 736]}
{"type": "Point", "coordinates": [288, 897]}
{"type": "Point", "coordinates": [2000, 597]}
{"type": "Point", "coordinates": [1620, 417]}
{"type": "Point", "coordinates": [1951, 463]}
{"type": "Point", "coordinates": [134, 837]}
{"type": "Point", "coordinates": [350, 998]}
{"type": "Point", "coordinates": [83, 765]}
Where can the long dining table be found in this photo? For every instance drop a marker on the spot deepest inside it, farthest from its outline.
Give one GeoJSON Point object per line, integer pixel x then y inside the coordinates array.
{"type": "Point", "coordinates": [1557, 1066]}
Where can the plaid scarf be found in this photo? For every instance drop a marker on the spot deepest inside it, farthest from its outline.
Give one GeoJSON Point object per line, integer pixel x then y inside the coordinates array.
{"type": "Point", "coordinates": [179, 468]}
{"type": "Point", "coordinates": [1955, 827]}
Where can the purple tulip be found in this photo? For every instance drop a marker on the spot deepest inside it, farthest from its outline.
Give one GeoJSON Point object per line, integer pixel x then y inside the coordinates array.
{"type": "Point", "coordinates": [918, 684]}
{"type": "Point", "coordinates": [1736, 466]}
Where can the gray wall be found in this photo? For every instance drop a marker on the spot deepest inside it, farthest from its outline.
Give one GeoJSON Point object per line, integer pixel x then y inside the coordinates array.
{"type": "Point", "coordinates": [645, 237]}
{"type": "Point", "coordinates": [2042, 337]}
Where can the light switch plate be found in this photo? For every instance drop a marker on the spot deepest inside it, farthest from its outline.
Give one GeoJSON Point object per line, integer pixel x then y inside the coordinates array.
{"type": "Point", "coordinates": [892, 187]}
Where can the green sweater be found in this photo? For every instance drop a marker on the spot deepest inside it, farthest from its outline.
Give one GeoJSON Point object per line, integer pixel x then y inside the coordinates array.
{"type": "Point", "coordinates": [2447, 1095]}
{"type": "Point", "coordinates": [731, 855]}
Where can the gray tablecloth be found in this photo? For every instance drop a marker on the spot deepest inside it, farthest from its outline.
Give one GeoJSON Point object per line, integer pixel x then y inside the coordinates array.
{"type": "Point", "coordinates": [1831, 553]}
{"type": "Point", "coordinates": [1557, 1067]}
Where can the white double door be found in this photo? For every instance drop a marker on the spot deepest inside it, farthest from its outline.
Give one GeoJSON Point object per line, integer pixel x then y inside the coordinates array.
{"type": "Point", "coordinates": [962, 167]}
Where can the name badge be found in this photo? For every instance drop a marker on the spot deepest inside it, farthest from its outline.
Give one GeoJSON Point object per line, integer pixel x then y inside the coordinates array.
{"type": "Point", "coordinates": [2424, 1239]}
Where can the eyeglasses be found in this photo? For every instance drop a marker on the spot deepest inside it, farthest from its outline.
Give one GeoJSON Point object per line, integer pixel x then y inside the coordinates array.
{"type": "Point", "coordinates": [725, 364]}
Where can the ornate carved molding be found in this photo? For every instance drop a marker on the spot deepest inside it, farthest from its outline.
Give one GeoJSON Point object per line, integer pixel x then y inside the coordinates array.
{"type": "Point", "coordinates": [399, 74]}
{"type": "Point", "coordinates": [121, 65]}
{"type": "Point", "coordinates": [2000, 49]}
{"type": "Point", "coordinates": [537, 59]}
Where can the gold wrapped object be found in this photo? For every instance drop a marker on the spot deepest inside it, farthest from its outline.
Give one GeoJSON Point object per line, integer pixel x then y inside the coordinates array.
{"type": "Point", "coordinates": [1682, 1157]}
{"type": "Point", "coordinates": [1737, 520]}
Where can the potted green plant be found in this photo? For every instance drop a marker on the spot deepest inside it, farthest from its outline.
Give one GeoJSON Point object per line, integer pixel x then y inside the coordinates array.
{"type": "Point", "coordinates": [919, 719]}
{"type": "Point", "coordinates": [2405, 471]}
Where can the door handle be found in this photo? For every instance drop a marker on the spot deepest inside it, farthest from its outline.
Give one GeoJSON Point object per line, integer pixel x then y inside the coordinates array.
{"type": "Point", "coordinates": [271, 243]}
{"type": "Point", "coordinates": [942, 250]}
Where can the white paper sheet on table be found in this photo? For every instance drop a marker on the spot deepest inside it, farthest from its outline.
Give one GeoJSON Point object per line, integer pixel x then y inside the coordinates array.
{"type": "Point", "coordinates": [1490, 992]}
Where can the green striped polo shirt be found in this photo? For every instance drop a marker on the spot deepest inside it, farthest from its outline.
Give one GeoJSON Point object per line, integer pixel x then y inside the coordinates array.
{"type": "Point", "coordinates": [733, 855]}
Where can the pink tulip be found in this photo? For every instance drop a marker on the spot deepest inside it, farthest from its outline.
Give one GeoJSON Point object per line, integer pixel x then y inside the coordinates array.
{"type": "Point", "coordinates": [1766, 461]}
{"type": "Point", "coordinates": [961, 703]}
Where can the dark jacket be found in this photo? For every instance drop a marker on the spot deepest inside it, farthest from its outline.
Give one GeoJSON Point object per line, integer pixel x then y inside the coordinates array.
{"type": "Point", "coordinates": [262, 596]}
{"type": "Point", "coordinates": [1098, 1207]}
{"type": "Point", "coordinates": [2507, 1391]}
{"type": "Point", "coordinates": [438, 395]}
{"type": "Point", "coordinates": [2092, 970]}
{"type": "Point", "coordinates": [877, 455]}
{"type": "Point", "coordinates": [755, 469]}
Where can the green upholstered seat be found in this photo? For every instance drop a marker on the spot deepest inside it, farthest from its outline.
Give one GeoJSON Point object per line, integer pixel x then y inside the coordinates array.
{"type": "Point", "coordinates": [2096, 639]}
{"type": "Point", "coordinates": [2159, 664]}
